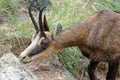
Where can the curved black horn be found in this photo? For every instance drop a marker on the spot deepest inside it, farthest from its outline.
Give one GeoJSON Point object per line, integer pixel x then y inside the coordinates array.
{"type": "Point", "coordinates": [32, 18]}
{"type": "Point", "coordinates": [46, 28]}
{"type": "Point", "coordinates": [40, 23]}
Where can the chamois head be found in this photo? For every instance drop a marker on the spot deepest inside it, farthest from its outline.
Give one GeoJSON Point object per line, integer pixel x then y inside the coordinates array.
{"type": "Point", "coordinates": [42, 41]}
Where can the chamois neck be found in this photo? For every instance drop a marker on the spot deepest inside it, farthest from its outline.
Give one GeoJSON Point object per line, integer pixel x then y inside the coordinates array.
{"type": "Point", "coordinates": [71, 36]}
{"type": "Point", "coordinates": [77, 34]}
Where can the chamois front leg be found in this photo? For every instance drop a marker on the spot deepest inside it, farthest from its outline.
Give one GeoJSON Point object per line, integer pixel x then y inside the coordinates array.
{"type": "Point", "coordinates": [112, 69]}
{"type": "Point", "coordinates": [91, 69]}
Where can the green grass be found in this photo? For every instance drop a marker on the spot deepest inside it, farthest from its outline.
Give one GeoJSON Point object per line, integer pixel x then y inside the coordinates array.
{"type": "Point", "coordinates": [21, 28]}
{"type": "Point", "coordinates": [66, 12]}
{"type": "Point", "coordinates": [8, 7]}
{"type": "Point", "coordinates": [18, 25]}
{"type": "Point", "coordinates": [69, 12]}
{"type": "Point", "coordinates": [71, 60]}
{"type": "Point", "coordinates": [8, 10]}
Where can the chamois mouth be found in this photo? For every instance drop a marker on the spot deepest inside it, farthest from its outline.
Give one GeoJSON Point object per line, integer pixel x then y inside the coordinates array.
{"type": "Point", "coordinates": [25, 59]}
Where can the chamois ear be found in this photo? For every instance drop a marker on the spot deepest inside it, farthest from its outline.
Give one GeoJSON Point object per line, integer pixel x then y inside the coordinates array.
{"type": "Point", "coordinates": [58, 29]}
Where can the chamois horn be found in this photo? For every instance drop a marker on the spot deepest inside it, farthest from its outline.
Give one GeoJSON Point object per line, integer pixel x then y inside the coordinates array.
{"type": "Point", "coordinates": [32, 18]}
{"type": "Point", "coordinates": [40, 23]}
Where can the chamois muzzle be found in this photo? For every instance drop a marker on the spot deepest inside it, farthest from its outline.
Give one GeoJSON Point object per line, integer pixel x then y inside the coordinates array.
{"type": "Point", "coordinates": [39, 48]}
{"type": "Point", "coordinates": [34, 49]}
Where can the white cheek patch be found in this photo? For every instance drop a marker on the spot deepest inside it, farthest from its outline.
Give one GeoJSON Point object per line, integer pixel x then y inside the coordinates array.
{"type": "Point", "coordinates": [33, 37]}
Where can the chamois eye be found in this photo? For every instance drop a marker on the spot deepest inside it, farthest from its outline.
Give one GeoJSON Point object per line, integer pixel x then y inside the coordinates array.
{"type": "Point", "coordinates": [45, 42]}
{"type": "Point", "coordinates": [42, 42]}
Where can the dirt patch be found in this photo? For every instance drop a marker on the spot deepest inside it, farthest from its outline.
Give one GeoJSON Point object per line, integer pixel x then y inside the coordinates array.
{"type": "Point", "coordinates": [18, 45]}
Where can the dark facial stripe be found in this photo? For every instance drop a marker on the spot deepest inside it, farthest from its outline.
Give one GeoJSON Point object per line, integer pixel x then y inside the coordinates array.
{"type": "Point", "coordinates": [36, 51]}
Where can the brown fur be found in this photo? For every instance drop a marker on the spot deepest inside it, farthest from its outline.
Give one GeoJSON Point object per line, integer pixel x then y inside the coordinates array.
{"type": "Point", "coordinates": [98, 35]}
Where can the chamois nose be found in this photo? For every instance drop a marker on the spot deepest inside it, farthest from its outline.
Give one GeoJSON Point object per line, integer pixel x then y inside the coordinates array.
{"type": "Point", "coordinates": [22, 58]}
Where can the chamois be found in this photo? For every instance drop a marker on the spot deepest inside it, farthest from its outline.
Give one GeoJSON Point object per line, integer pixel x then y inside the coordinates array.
{"type": "Point", "coordinates": [98, 38]}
